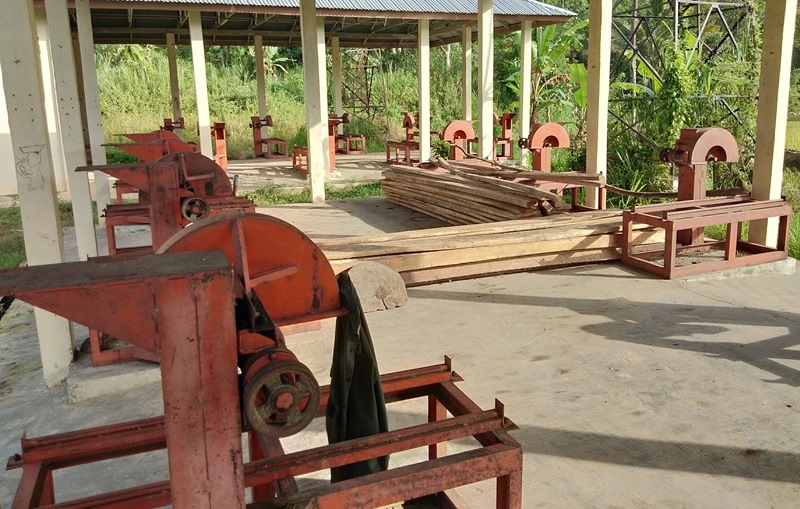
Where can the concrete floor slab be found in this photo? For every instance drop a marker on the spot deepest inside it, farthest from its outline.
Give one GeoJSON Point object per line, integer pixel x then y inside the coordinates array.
{"type": "Point", "coordinates": [629, 391]}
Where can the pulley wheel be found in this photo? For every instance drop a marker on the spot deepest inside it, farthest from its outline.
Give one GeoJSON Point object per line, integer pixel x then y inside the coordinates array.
{"type": "Point", "coordinates": [281, 399]}
{"type": "Point", "coordinates": [194, 209]}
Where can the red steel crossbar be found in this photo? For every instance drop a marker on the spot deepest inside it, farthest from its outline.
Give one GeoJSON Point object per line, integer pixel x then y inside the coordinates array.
{"type": "Point", "coordinates": [272, 477]}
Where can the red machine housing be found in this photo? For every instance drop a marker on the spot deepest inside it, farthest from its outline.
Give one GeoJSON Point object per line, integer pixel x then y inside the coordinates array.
{"type": "Point", "coordinates": [264, 145]}
{"type": "Point", "coordinates": [692, 152]}
{"type": "Point", "coordinates": [684, 221]}
{"type": "Point", "coordinates": [208, 315]}
{"type": "Point", "coordinates": [178, 189]}
{"type": "Point", "coordinates": [458, 134]}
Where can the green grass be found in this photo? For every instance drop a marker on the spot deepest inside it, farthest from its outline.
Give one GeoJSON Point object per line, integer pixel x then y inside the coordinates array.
{"type": "Point", "coordinates": [793, 135]}
{"type": "Point", "coordinates": [791, 190]}
{"type": "Point", "coordinates": [279, 195]}
{"type": "Point", "coordinates": [12, 244]}
{"type": "Point", "coordinates": [719, 231]}
{"type": "Point", "coordinates": [12, 247]}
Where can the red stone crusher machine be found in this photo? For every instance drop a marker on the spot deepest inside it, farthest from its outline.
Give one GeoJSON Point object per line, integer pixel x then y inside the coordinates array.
{"type": "Point", "coordinates": [211, 304]}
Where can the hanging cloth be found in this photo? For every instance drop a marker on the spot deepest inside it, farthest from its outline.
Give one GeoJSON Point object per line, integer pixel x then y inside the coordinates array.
{"type": "Point", "coordinates": [356, 407]}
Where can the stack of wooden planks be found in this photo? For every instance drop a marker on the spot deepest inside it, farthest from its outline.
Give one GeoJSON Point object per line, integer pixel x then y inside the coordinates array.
{"type": "Point", "coordinates": [462, 198]}
{"type": "Point", "coordinates": [463, 252]}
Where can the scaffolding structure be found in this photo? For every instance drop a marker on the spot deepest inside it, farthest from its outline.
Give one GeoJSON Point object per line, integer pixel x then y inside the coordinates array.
{"type": "Point", "coordinates": [704, 29]}
{"type": "Point", "coordinates": [361, 70]}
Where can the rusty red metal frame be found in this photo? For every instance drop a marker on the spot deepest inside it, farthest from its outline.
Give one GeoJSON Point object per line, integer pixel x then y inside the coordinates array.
{"type": "Point", "coordinates": [499, 456]}
{"type": "Point", "coordinates": [267, 147]}
{"type": "Point", "coordinates": [194, 334]}
{"type": "Point", "coordinates": [692, 215]}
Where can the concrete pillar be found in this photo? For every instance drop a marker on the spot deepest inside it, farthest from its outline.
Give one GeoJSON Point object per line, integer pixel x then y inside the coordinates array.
{"type": "Point", "coordinates": [50, 102]}
{"type": "Point", "coordinates": [22, 85]}
{"type": "Point", "coordinates": [200, 83]}
{"type": "Point", "coordinates": [466, 72]}
{"type": "Point", "coordinates": [486, 79]}
{"type": "Point", "coordinates": [424, 87]}
{"type": "Point", "coordinates": [597, 93]}
{"type": "Point", "coordinates": [525, 85]}
{"type": "Point", "coordinates": [336, 64]}
{"type": "Point", "coordinates": [76, 52]}
{"type": "Point", "coordinates": [314, 85]}
{"type": "Point", "coordinates": [8, 174]}
{"type": "Point", "coordinates": [261, 92]}
{"type": "Point", "coordinates": [91, 93]}
{"type": "Point", "coordinates": [69, 114]}
{"type": "Point", "coordinates": [174, 83]}
{"type": "Point", "coordinates": [773, 105]}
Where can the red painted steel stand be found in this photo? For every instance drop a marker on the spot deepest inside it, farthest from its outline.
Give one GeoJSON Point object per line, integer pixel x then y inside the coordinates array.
{"type": "Point", "coordinates": [267, 147]}
{"type": "Point", "coordinates": [541, 141]}
{"type": "Point", "coordinates": [504, 148]}
{"type": "Point", "coordinates": [195, 335]}
{"type": "Point", "coordinates": [210, 315]}
{"type": "Point", "coordinates": [684, 221]}
{"type": "Point", "coordinates": [178, 189]}
{"type": "Point", "coordinates": [496, 456]}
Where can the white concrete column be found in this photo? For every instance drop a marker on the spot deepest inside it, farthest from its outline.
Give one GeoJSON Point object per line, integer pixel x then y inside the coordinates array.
{"type": "Point", "coordinates": [314, 86]}
{"type": "Point", "coordinates": [50, 102]}
{"type": "Point", "coordinates": [597, 93]}
{"type": "Point", "coordinates": [174, 83]}
{"type": "Point", "coordinates": [69, 114]}
{"type": "Point", "coordinates": [424, 87]}
{"type": "Point", "coordinates": [773, 105]}
{"type": "Point", "coordinates": [486, 79]}
{"type": "Point", "coordinates": [200, 83]}
{"type": "Point", "coordinates": [525, 85]}
{"type": "Point", "coordinates": [8, 174]}
{"type": "Point", "coordinates": [91, 93]}
{"type": "Point", "coordinates": [76, 52]}
{"type": "Point", "coordinates": [261, 91]}
{"type": "Point", "coordinates": [22, 84]}
{"type": "Point", "coordinates": [466, 72]}
{"type": "Point", "coordinates": [336, 64]}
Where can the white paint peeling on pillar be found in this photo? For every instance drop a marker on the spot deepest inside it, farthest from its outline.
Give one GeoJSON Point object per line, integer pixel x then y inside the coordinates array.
{"type": "Point", "coordinates": [466, 72]}
{"type": "Point", "coordinates": [597, 93]}
{"type": "Point", "coordinates": [486, 79]}
{"type": "Point", "coordinates": [200, 83]}
{"type": "Point", "coordinates": [261, 91]}
{"type": "Point", "coordinates": [76, 52]}
{"type": "Point", "coordinates": [69, 114]}
{"type": "Point", "coordinates": [336, 65]}
{"type": "Point", "coordinates": [22, 84]}
{"type": "Point", "coordinates": [314, 85]}
{"type": "Point", "coordinates": [8, 179]}
{"type": "Point", "coordinates": [91, 94]}
{"type": "Point", "coordinates": [424, 87]}
{"type": "Point", "coordinates": [773, 105]}
{"type": "Point", "coordinates": [525, 86]}
{"type": "Point", "coordinates": [50, 106]}
{"type": "Point", "coordinates": [174, 82]}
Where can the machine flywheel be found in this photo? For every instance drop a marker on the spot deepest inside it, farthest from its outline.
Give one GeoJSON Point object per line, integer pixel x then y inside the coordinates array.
{"type": "Point", "coordinates": [281, 398]}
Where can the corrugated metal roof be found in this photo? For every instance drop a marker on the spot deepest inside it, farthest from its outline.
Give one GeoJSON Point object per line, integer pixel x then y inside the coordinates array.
{"type": "Point", "coordinates": [501, 7]}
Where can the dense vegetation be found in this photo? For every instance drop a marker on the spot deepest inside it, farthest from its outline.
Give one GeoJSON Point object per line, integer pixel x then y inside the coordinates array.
{"type": "Point", "coordinates": [656, 99]}
{"type": "Point", "coordinates": [135, 93]}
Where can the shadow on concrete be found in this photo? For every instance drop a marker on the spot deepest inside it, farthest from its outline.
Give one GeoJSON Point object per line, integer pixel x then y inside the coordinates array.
{"type": "Point", "coordinates": [750, 463]}
{"type": "Point", "coordinates": [385, 216]}
{"type": "Point", "coordinates": [660, 325]}
{"type": "Point", "coordinates": [659, 454]}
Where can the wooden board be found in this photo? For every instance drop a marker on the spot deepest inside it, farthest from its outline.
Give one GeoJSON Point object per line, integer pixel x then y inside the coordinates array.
{"type": "Point", "coordinates": [458, 252]}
